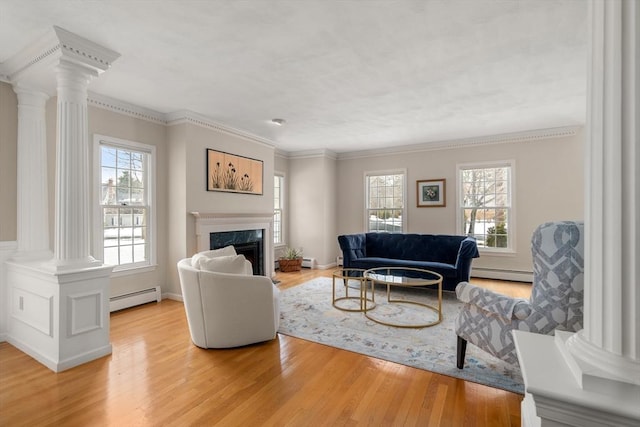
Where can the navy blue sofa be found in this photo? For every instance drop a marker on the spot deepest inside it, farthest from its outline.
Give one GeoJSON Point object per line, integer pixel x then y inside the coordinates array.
{"type": "Point", "coordinates": [450, 256]}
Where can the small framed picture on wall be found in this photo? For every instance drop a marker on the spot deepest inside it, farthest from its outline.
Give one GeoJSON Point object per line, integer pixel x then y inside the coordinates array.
{"type": "Point", "coordinates": [431, 193]}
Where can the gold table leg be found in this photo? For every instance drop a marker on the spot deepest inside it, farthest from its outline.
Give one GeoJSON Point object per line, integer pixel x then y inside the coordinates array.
{"type": "Point", "coordinates": [397, 301]}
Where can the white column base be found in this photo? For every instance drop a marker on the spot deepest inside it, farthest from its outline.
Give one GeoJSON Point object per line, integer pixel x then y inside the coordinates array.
{"type": "Point", "coordinates": [557, 396]}
{"type": "Point", "coordinates": [596, 369]}
{"type": "Point", "coordinates": [61, 319]}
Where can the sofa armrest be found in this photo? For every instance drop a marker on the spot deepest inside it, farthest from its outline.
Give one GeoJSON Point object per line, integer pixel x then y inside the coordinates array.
{"type": "Point", "coordinates": [468, 250]}
{"type": "Point", "coordinates": [353, 246]}
{"type": "Point", "coordinates": [493, 302]}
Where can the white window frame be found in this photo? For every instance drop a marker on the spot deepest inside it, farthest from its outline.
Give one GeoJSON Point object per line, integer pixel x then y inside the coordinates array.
{"type": "Point", "coordinates": [511, 163]}
{"type": "Point", "coordinates": [98, 234]}
{"type": "Point", "coordinates": [368, 174]}
{"type": "Point", "coordinates": [283, 219]}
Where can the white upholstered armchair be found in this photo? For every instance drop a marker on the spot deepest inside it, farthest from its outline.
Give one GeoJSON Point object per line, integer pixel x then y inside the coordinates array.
{"type": "Point", "coordinates": [227, 307]}
{"type": "Point", "coordinates": [487, 318]}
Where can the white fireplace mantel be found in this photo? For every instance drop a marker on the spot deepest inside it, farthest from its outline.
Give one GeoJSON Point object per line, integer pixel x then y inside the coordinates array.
{"type": "Point", "coordinates": [207, 223]}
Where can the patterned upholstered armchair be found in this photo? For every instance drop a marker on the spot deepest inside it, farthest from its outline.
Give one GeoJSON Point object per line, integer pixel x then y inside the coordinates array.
{"type": "Point", "coordinates": [487, 318]}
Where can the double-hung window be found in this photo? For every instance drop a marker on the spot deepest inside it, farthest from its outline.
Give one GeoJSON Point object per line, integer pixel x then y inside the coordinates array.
{"type": "Point", "coordinates": [485, 208]}
{"type": "Point", "coordinates": [125, 218]}
{"type": "Point", "coordinates": [278, 204]}
{"type": "Point", "coordinates": [385, 201]}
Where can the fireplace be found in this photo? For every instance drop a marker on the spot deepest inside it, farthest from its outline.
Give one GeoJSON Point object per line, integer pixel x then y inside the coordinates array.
{"type": "Point", "coordinates": [240, 230]}
{"type": "Point", "coordinates": [246, 242]}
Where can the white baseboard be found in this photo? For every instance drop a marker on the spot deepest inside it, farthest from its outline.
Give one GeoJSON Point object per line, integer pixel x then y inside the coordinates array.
{"type": "Point", "coordinates": [60, 365]}
{"type": "Point", "coordinates": [172, 296]}
{"type": "Point", "coordinates": [326, 266]}
{"type": "Point", "coordinates": [511, 275]}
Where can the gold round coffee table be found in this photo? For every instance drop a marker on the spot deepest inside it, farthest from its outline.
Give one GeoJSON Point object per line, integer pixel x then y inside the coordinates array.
{"type": "Point", "coordinates": [357, 275]}
{"type": "Point", "coordinates": [404, 277]}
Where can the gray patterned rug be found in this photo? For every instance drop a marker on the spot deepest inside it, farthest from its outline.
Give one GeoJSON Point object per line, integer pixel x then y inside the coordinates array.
{"type": "Point", "coordinates": [307, 313]}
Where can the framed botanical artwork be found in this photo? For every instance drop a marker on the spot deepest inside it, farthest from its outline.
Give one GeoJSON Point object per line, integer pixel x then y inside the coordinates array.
{"type": "Point", "coordinates": [431, 193]}
{"type": "Point", "coordinates": [233, 174]}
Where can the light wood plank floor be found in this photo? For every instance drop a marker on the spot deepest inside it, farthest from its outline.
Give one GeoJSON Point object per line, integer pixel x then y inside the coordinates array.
{"type": "Point", "coordinates": [156, 376]}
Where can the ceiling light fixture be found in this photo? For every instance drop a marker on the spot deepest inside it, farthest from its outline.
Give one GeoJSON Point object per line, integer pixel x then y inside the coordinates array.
{"type": "Point", "coordinates": [278, 122]}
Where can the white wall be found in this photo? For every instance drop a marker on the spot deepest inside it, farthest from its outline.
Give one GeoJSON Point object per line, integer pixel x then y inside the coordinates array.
{"type": "Point", "coordinates": [8, 162]}
{"type": "Point", "coordinates": [549, 181]}
{"type": "Point", "coordinates": [312, 207]}
{"type": "Point", "coordinates": [281, 164]}
{"type": "Point", "coordinates": [176, 206]}
{"type": "Point", "coordinates": [187, 175]}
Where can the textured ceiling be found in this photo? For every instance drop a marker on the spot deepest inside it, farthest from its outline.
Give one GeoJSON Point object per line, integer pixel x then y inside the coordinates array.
{"type": "Point", "coordinates": [345, 75]}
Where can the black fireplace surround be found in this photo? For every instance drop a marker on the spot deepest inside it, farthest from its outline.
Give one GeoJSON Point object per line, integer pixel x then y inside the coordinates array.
{"type": "Point", "coordinates": [246, 242]}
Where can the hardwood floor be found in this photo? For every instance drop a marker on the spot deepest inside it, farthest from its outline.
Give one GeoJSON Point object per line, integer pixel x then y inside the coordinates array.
{"type": "Point", "coordinates": [156, 376]}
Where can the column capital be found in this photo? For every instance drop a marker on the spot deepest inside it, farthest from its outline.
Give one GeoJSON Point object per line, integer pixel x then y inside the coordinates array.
{"type": "Point", "coordinates": [29, 97]}
{"type": "Point", "coordinates": [33, 64]}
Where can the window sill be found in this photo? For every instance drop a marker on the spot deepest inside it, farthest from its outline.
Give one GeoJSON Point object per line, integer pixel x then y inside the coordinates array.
{"type": "Point", "coordinates": [128, 271]}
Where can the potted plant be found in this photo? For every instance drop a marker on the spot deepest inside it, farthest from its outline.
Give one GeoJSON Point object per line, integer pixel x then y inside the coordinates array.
{"type": "Point", "coordinates": [291, 260]}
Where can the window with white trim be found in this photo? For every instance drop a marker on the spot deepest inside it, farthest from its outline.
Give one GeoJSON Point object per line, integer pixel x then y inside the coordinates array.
{"type": "Point", "coordinates": [125, 215]}
{"type": "Point", "coordinates": [485, 204]}
{"type": "Point", "coordinates": [385, 201]}
{"type": "Point", "coordinates": [278, 204]}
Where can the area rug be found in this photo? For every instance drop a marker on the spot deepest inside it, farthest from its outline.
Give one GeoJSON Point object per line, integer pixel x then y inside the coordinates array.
{"type": "Point", "coordinates": [307, 313]}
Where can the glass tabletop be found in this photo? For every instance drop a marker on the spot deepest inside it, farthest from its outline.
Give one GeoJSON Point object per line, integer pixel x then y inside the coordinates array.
{"type": "Point", "coordinates": [403, 276]}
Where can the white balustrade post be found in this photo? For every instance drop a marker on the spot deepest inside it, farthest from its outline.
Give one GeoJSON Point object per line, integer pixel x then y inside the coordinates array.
{"type": "Point", "coordinates": [72, 245]}
{"type": "Point", "coordinates": [32, 200]}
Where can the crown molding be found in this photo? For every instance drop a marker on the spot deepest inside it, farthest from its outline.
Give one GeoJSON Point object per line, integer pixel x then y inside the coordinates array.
{"type": "Point", "coordinates": [310, 154]}
{"type": "Point", "coordinates": [281, 153]}
{"type": "Point", "coordinates": [121, 107]}
{"type": "Point", "coordinates": [186, 116]}
{"type": "Point", "coordinates": [42, 52]}
{"type": "Point", "coordinates": [170, 119]}
{"type": "Point", "coordinates": [507, 138]}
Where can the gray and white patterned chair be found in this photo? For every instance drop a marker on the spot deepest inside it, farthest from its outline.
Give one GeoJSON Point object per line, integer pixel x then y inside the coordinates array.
{"type": "Point", "coordinates": [487, 318]}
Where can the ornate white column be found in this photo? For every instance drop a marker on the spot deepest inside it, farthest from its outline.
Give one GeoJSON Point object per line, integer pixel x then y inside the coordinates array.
{"type": "Point", "coordinates": [59, 307]}
{"type": "Point", "coordinates": [609, 344]}
{"type": "Point", "coordinates": [593, 377]}
{"type": "Point", "coordinates": [33, 201]}
{"type": "Point", "coordinates": [72, 245]}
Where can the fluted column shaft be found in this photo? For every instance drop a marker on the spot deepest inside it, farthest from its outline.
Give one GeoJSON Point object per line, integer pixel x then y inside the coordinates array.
{"type": "Point", "coordinates": [610, 339]}
{"type": "Point", "coordinates": [72, 245]}
{"type": "Point", "coordinates": [32, 200]}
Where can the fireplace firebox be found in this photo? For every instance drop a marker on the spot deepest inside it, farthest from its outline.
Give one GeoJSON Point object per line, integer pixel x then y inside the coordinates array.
{"type": "Point", "coordinates": [246, 242]}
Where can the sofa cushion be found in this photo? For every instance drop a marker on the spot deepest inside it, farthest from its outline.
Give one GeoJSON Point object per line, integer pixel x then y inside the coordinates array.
{"type": "Point", "coordinates": [226, 251]}
{"type": "Point", "coordinates": [233, 264]}
{"type": "Point", "coordinates": [414, 247]}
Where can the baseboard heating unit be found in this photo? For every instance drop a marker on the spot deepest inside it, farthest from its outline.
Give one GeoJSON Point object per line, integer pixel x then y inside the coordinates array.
{"type": "Point", "coordinates": [135, 298]}
{"type": "Point", "coordinates": [512, 275]}
{"type": "Point", "coordinates": [308, 262]}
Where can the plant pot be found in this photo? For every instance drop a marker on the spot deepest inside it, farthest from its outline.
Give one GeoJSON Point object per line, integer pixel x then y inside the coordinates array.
{"type": "Point", "coordinates": [287, 265]}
